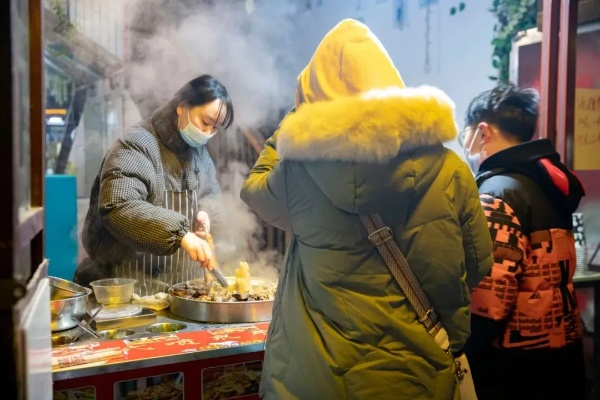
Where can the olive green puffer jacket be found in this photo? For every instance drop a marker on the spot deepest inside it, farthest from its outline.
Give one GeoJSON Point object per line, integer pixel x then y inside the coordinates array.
{"type": "Point", "coordinates": [342, 328]}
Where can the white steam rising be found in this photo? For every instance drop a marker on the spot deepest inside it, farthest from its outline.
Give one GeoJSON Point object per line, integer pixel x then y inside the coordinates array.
{"type": "Point", "coordinates": [252, 55]}
{"type": "Point", "coordinates": [238, 239]}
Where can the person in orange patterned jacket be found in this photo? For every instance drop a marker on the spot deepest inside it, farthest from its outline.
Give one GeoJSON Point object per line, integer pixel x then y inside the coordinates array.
{"type": "Point", "coordinates": [525, 327]}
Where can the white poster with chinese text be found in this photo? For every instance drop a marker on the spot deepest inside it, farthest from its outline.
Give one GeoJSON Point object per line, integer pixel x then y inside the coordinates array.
{"type": "Point", "coordinates": [587, 130]}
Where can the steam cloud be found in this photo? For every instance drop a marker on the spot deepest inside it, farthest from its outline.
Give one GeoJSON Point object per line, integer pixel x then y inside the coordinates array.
{"type": "Point", "coordinates": [238, 239]}
{"type": "Point", "coordinates": [175, 41]}
{"type": "Point", "coordinates": [251, 54]}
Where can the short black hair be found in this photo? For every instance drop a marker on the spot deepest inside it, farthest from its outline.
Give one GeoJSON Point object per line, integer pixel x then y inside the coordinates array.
{"type": "Point", "coordinates": [203, 90]}
{"type": "Point", "coordinates": [513, 110]}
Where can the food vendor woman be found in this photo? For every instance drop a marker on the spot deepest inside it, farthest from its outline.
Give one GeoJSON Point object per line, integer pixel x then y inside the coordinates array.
{"type": "Point", "coordinates": [156, 185]}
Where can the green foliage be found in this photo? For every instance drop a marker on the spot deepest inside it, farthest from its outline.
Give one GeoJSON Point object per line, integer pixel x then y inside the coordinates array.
{"type": "Point", "coordinates": [513, 16]}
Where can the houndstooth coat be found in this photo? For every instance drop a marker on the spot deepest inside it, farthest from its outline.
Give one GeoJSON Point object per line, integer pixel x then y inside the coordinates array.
{"type": "Point", "coordinates": [125, 216]}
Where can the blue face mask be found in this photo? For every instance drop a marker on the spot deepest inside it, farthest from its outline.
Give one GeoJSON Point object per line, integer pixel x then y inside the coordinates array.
{"type": "Point", "coordinates": [194, 136]}
{"type": "Point", "coordinates": [474, 161]}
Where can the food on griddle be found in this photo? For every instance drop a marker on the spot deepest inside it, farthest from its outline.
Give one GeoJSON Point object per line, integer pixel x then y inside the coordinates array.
{"type": "Point", "coordinates": [253, 290]}
{"type": "Point", "coordinates": [211, 291]}
{"type": "Point", "coordinates": [242, 278]}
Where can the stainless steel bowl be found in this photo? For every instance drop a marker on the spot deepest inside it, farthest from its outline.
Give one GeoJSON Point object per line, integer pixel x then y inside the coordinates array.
{"type": "Point", "coordinates": [68, 303]}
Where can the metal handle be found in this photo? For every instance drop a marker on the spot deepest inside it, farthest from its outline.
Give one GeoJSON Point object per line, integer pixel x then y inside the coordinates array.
{"type": "Point", "coordinates": [85, 327]}
{"type": "Point", "coordinates": [88, 330]}
{"type": "Point", "coordinates": [215, 272]}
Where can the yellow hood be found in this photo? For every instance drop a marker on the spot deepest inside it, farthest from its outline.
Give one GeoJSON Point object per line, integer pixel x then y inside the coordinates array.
{"type": "Point", "coordinates": [349, 60]}
{"type": "Point", "coordinates": [352, 104]}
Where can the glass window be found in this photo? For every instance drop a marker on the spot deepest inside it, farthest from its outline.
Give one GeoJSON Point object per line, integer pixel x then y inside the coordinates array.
{"type": "Point", "coordinates": [59, 95]}
{"type": "Point", "coordinates": [20, 40]}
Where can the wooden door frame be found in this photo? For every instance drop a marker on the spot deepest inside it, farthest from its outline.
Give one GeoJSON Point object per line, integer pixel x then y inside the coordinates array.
{"type": "Point", "coordinates": [20, 230]}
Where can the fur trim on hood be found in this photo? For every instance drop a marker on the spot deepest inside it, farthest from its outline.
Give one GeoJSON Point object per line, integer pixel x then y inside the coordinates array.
{"type": "Point", "coordinates": [372, 127]}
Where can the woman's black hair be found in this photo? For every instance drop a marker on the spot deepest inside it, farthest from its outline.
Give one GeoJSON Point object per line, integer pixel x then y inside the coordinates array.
{"type": "Point", "coordinates": [203, 90]}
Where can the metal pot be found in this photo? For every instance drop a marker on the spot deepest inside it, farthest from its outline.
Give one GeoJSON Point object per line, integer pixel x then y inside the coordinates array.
{"type": "Point", "coordinates": [220, 312]}
{"type": "Point", "coordinates": [226, 312]}
{"type": "Point", "coordinates": [68, 303]}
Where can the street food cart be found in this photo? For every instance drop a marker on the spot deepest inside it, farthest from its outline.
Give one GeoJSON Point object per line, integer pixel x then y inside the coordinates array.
{"type": "Point", "coordinates": [129, 351]}
{"type": "Point", "coordinates": [201, 361]}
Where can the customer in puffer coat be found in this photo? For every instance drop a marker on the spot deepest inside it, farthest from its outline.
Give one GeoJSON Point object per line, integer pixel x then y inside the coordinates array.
{"type": "Point", "coordinates": [359, 142]}
{"type": "Point", "coordinates": [526, 338]}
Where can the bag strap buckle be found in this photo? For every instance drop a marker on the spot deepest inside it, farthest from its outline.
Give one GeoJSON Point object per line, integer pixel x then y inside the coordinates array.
{"type": "Point", "coordinates": [380, 236]}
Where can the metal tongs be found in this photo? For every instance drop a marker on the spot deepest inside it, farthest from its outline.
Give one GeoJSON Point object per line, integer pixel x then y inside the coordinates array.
{"type": "Point", "coordinates": [86, 327]}
{"type": "Point", "coordinates": [215, 271]}
{"type": "Point", "coordinates": [219, 277]}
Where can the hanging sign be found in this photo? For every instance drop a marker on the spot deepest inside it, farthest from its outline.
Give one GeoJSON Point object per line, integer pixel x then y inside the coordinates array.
{"type": "Point", "coordinates": [587, 130]}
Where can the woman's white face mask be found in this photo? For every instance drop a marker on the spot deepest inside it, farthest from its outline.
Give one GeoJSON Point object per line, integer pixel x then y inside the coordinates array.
{"type": "Point", "coordinates": [194, 136]}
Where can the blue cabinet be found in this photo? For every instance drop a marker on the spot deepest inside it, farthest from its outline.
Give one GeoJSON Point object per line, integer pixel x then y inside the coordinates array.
{"type": "Point", "coordinates": [61, 225]}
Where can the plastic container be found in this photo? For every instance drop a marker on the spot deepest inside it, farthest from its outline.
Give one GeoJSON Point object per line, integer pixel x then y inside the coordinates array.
{"type": "Point", "coordinates": [113, 290]}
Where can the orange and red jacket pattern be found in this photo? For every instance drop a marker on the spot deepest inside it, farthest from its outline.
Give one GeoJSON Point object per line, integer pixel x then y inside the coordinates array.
{"type": "Point", "coordinates": [530, 284]}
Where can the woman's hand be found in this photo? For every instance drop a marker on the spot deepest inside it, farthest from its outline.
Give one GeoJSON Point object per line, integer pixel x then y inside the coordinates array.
{"type": "Point", "coordinates": [202, 224]}
{"type": "Point", "coordinates": [198, 249]}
